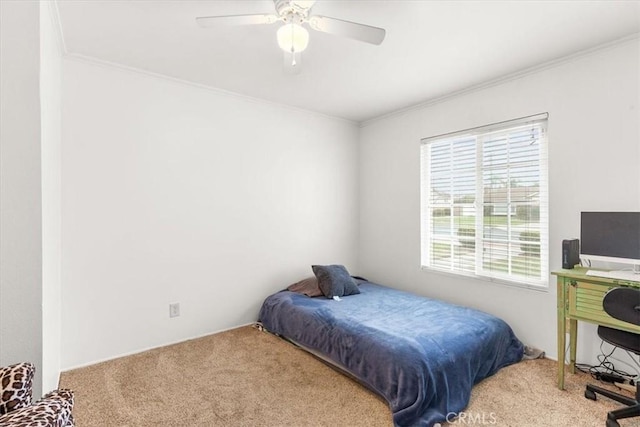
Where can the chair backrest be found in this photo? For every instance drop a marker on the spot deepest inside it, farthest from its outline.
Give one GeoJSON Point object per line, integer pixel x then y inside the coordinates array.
{"type": "Point", "coordinates": [16, 386]}
{"type": "Point", "coordinates": [623, 303]}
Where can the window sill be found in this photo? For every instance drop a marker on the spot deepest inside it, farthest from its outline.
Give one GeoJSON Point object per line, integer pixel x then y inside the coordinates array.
{"type": "Point", "coordinates": [501, 282]}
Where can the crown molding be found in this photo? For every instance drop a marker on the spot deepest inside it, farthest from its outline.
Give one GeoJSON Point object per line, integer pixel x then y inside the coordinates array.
{"type": "Point", "coordinates": [506, 78]}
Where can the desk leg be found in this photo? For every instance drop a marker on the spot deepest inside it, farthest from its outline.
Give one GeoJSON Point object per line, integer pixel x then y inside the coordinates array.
{"type": "Point", "coordinates": [561, 346]}
{"type": "Point", "coordinates": [573, 339]}
{"type": "Point", "coordinates": [562, 324]}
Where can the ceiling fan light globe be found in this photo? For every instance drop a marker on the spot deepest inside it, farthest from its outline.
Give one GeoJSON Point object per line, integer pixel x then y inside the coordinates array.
{"type": "Point", "coordinates": [293, 38]}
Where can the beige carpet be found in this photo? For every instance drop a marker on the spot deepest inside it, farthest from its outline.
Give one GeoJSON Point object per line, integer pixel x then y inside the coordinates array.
{"type": "Point", "coordinates": [245, 377]}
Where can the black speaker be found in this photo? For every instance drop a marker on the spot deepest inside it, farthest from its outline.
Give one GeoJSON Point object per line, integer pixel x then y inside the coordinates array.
{"type": "Point", "coordinates": [570, 253]}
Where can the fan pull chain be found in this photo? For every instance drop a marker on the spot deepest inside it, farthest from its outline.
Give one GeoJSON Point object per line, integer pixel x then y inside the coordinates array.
{"type": "Point", "coordinates": [293, 52]}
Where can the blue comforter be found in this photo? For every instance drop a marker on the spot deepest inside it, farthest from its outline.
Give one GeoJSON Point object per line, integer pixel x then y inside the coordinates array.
{"type": "Point", "coordinates": [422, 355]}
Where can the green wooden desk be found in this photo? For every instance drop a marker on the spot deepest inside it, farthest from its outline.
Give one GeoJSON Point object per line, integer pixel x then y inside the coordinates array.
{"type": "Point", "coordinates": [580, 298]}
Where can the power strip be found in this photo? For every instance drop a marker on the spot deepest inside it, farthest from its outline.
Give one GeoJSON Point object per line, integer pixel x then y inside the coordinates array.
{"type": "Point", "coordinates": [610, 378]}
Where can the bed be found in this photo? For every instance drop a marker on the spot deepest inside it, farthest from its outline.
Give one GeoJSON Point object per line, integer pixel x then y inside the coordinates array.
{"type": "Point", "coordinates": [422, 355]}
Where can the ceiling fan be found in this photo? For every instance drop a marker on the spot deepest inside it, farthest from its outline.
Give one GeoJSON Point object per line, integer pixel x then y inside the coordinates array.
{"type": "Point", "coordinates": [293, 37]}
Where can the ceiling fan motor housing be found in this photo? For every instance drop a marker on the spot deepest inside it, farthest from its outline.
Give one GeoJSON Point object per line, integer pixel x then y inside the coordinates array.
{"type": "Point", "coordinates": [292, 11]}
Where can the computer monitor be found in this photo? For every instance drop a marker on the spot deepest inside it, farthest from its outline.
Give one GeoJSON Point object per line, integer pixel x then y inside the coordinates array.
{"type": "Point", "coordinates": [611, 237]}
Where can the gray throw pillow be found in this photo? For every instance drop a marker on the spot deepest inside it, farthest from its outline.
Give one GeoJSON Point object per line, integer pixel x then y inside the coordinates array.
{"type": "Point", "coordinates": [334, 281]}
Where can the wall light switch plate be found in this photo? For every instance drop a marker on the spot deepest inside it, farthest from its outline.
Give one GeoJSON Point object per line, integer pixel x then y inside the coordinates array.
{"type": "Point", "coordinates": [174, 309]}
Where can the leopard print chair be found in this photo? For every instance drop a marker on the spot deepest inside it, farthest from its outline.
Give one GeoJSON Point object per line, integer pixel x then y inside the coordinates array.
{"type": "Point", "coordinates": [16, 408]}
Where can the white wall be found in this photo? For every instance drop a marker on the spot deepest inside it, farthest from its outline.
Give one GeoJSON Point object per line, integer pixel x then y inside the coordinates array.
{"type": "Point", "coordinates": [50, 87]}
{"type": "Point", "coordinates": [175, 193]}
{"type": "Point", "coordinates": [20, 187]}
{"type": "Point", "coordinates": [594, 148]}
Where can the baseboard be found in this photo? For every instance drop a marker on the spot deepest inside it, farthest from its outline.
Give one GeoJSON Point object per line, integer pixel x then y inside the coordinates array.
{"type": "Point", "coordinates": [119, 356]}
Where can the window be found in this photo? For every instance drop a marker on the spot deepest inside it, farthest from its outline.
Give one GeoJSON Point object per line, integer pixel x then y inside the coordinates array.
{"type": "Point", "coordinates": [485, 202]}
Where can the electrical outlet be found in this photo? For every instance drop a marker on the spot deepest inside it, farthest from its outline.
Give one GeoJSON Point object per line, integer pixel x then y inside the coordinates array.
{"type": "Point", "coordinates": [174, 309]}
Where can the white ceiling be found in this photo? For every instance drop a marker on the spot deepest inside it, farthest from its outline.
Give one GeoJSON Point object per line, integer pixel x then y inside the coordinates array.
{"type": "Point", "coordinates": [432, 48]}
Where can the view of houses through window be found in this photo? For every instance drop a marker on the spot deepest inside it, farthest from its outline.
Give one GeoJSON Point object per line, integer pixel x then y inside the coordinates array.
{"type": "Point", "coordinates": [484, 202]}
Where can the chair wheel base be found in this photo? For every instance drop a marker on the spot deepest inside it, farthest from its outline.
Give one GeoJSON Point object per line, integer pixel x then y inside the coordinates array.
{"type": "Point", "coordinates": [612, 423]}
{"type": "Point", "coordinates": [590, 395]}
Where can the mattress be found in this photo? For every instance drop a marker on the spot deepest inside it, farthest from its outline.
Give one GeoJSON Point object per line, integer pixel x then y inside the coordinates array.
{"type": "Point", "coordinates": [421, 354]}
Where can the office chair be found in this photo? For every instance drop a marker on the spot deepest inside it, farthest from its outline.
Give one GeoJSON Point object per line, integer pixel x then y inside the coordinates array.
{"type": "Point", "coordinates": [624, 304]}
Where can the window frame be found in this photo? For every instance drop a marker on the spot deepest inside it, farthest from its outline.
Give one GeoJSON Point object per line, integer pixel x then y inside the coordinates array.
{"type": "Point", "coordinates": [479, 135]}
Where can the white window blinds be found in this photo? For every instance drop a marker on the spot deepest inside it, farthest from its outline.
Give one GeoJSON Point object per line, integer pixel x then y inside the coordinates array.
{"type": "Point", "coordinates": [485, 202]}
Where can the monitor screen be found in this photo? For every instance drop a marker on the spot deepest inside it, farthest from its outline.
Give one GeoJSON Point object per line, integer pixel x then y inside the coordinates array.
{"type": "Point", "coordinates": [610, 236]}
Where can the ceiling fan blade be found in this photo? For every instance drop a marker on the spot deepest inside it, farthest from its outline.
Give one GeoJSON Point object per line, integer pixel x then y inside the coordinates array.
{"type": "Point", "coordinates": [353, 30]}
{"type": "Point", "coordinates": [231, 20]}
